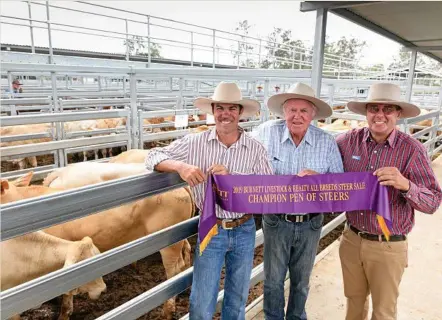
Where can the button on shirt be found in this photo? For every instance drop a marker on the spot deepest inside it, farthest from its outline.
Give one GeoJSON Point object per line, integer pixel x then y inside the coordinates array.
{"type": "Point", "coordinates": [361, 153]}
{"type": "Point", "coordinates": [317, 151]}
{"type": "Point", "coordinates": [245, 156]}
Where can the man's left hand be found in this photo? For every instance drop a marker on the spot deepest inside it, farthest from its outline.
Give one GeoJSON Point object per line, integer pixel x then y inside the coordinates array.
{"type": "Point", "coordinates": [218, 169]}
{"type": "Point", "coordinates": [307, 172]}
{"type": "Point", "coordinates": [391, 176]}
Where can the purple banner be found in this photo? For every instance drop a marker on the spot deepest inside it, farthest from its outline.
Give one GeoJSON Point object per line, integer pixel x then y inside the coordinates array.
{"type": "Point", "coordinates": [270, 194]}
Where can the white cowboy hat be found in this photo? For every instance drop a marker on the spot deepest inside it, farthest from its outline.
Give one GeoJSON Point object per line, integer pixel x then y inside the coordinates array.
{"type": "Point", "coordinates": [384, 93]}
{"type": "Point", "coordinates": [227, 92]}
{"type": "Point", "coordinates": [299, 91]}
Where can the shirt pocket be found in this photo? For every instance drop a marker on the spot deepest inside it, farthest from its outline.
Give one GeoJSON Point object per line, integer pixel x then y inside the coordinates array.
{"type": "Point", "coordinates": [320, 165]}
{"type": "Point", "coordinates": [277, 163]}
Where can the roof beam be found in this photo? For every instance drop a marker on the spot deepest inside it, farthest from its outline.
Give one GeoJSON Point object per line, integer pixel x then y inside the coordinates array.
{"type": "Point", "coordinates": [307, 6]}
{"type": "Point", "coordinates": [349, 15]}
{"type": "Point", "coordinates": [425, 48]}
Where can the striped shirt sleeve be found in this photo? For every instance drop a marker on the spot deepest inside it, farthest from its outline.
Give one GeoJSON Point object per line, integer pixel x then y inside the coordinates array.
{"type": "Point", "coordinates": [425, 193]}
{"type": "Point", "coordinates": [336, 165]}
{"type": "Point", "coordinates": [262, 165]}
{"type": "Point", "coordinates": [177, 150]}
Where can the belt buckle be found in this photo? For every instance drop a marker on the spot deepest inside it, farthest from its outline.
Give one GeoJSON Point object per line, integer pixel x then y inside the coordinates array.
{"type": "Point", "coordinates": [223, 224]}
{"type": "Point", "coordinates": [297, 218]}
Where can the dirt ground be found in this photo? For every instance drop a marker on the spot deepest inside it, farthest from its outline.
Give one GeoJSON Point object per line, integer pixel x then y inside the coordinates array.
{"type": "Point", "coordinates": [129, 282]}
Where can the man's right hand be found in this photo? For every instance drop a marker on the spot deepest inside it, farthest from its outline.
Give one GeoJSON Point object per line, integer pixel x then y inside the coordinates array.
{"type": "Point", "coordinates": [191, 174]}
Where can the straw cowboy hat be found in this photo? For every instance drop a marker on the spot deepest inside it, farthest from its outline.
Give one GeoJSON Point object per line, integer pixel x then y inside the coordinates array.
{"type": "Point", "coordinates": [227, 92]}
{"type": "Point", "coordinates": [385, 93]}
{"type": "Point", "coordinates": [299, 91]}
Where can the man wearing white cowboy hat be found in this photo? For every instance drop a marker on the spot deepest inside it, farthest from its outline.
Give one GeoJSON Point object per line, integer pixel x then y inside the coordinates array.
{"type": "Point", "coordinates": [225, 149]}
{"type": "Point", "coordinates": [370, 265]}
{"type": "Point", "coordinates": [290, 241]}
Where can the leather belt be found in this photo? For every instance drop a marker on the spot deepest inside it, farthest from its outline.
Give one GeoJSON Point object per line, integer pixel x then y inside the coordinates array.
{"type": "Point", "coordinates": [298, 217]}
{"type": "Point", "coordinates": [229, 224]}
{"type": "Point", "coordinates": [377, 237]}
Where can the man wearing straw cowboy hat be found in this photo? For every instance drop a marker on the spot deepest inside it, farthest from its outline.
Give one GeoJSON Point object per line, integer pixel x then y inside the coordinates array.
{"type": "Point", "coordinates": [225, 149]}
{"type": "Point", "coordinates": [291, 241]}
{"type": "Point", "coordinates": [370, 264]}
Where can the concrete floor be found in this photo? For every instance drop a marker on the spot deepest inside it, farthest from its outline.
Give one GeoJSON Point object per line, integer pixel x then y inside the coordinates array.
{"type": "Point", "coordinates": [421, 287]}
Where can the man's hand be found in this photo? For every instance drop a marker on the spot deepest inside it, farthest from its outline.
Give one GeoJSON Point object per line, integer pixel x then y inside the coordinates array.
{"type": "Point", "coordinates": [307, 172]}
{"type": "Point", "coordinates": [191, 174]}
{"type": "Point", "coordinates": [391, 176]}
{"type": "Point", "coordinates": [218, 169]}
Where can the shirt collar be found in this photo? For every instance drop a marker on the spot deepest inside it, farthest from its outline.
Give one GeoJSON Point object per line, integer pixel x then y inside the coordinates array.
{"type": "Point", "coordinates": [242, 141]}
{"type": "Point", "coordinates": [309, 137]}
{"type": "Point", "coordinates": [391, 140]}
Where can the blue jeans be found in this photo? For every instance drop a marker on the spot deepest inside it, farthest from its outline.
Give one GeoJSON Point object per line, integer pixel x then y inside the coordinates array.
{"type": "Point", "coordinates": [235, 249]}
{"type": "Point", "coordinates": [292, 246]}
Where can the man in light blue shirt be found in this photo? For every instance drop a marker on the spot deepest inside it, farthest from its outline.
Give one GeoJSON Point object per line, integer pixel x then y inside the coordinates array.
{"type": "Point", "coordinates": [291, 241]}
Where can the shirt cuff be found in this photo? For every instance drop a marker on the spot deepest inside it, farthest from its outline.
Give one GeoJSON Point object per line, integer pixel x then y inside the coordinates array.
{"type": "Point", "coordinates": [412, 193]}
{"type": "Point", "coordinates": [153, 159]}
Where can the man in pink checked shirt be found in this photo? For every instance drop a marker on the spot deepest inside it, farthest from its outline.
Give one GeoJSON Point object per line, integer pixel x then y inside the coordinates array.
{"type": "Point", "coordinates": [370, 264]}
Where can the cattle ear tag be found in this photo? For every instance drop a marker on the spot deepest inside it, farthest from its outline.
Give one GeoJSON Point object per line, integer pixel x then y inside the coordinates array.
{"type": "Point", "coordinates": [210, 119]}
{"type": "Point", "coordinates": [181, 120]}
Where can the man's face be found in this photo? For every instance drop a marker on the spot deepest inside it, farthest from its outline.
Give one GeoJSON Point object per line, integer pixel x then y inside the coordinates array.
{"type": "Point", "coordinates": [382, 118]}
{"type": "Point", "coordinates": [15, 85]}
{"type": "Point", "coordinates": [298, 114]}
{"type": "Point", "coordinates": [227, 116]}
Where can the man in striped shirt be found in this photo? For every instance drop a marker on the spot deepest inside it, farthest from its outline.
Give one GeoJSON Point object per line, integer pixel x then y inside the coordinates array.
{"type": "Point", "coordinates": [225, 149]}
{"type": "Point", "coordinates": [291, 241]}
{"type": "Point", "coordinates": [369, 263]}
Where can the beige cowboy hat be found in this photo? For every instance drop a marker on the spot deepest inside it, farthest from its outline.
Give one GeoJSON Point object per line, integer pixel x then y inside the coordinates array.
{"type": "Point", "coordinates": [227, 92]}
{"type": "Point", "coordinates": [385, 93]}
{"type": "Point", "coordinates": [299, 91]}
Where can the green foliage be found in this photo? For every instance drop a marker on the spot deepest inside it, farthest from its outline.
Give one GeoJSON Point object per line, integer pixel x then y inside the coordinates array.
{"type": "Point", "coordinates": [138, 46]}
{"type": "Point", "coordinates": [243, 50]}
{"type": "Point", "coordinates": [283, 52]}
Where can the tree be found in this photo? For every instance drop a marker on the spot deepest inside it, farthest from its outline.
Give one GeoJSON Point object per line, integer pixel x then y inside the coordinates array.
{"type": "Point", "coordinates": [282, 51]}
{"type": "Point", "coordinates": [343, 53]}
{"type": "Point", "coordinates": [401, 63]}
{"type": "Point", "coordinates": [137, 45]}
{"type": "Point", "coordinates": [341, 57]}
{"type": "Point", "coordinates": [243, 48]}
{"type": "Point", "coordinates": [402, 60]}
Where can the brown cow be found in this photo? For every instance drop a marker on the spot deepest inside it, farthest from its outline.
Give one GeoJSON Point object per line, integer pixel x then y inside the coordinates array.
{"type": "Point", "coordinates": [35, 254]}
{"type": "Point", "coordinates": [117, 226]}
{"type": "Point", "coordinates": [21, 130]}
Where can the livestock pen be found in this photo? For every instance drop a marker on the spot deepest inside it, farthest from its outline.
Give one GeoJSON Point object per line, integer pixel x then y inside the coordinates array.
{"type": "Point", "coordinates": [62, 89]}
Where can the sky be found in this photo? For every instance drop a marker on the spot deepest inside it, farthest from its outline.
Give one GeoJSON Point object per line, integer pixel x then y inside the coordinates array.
{"type": "Point", "coordinates": [221, 15]}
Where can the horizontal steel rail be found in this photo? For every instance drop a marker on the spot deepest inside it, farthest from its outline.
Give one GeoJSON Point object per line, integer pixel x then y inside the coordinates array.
{"type": "Point", "coordinates": [10, 175]}
{"type": "Point", "coordinates": [149, 137]}
{"type": "Point", "coordinates": [94, 102]}
{"type": "Point", "coordinates": [25, 101]}
{"type": "Point", "coordinates": [26, 108]}
{"type": "Point", "coordinates": [62, 144]}
{"type": "Point", "coordinates": [21, 137]}
{"type": "Point", "coordinates": [37, 291]}
{"type": "Point", "coordinates": [20, 217]}
{"type": "Point", "coordinates": [95, 147]}
{"type": "Point", "coordinates": [95, 132]}
{"type": "Point", "coordinates": [154, 297]}
{"type": "Point", "coordinates": [145, 302]}
{"type": "Point", "coordinates": [56, 117]}
{"type": "Point", "coordinates": [197, 73]}
{"type": "Point", "coordinates": [427, 130]}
